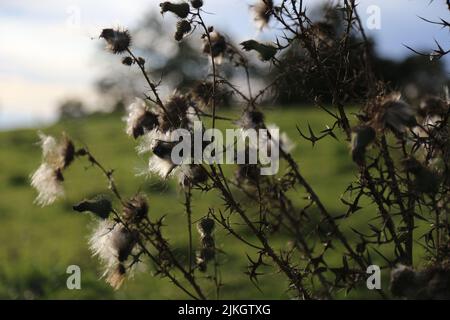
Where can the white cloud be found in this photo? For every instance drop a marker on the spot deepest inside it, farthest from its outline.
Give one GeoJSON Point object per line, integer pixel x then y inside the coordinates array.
{"type": "Point", "coordinates": [49, 47]}
{"type": "Point", "coordinates": [21, 95]}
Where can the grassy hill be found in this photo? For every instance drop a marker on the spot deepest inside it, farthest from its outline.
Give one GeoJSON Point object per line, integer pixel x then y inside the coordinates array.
{"type": "Point", "coordinates": [37, 244]}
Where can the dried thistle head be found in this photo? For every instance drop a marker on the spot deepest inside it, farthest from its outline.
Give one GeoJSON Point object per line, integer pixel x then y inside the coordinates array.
{"type": "Point", "coordinates": [431, 283]}
{"type": "Point", "coordinates": [266, 51]}
{"type": "Point", "coordinates": [135, 209]}
{"type": "Point", "coordinates": [127, 61]}
{"type": "Point", "coordinates": [218, 46]}
{"type": "Point", "coordinates": [433, 106]}
{"type": "Point", "coordinates": [207, 251]}
{"type": "Point", "coordinates": [251, 119]}
{"type": "Point", "coordinates": [390, 112]}
{"type": "Point", "coordinates": [163, 149]}
{"type": "Point", "coordinates": [426, 180]}
{"type": "Point", "coordinates": [175, 114]}
{"type": "Point", "coordinates": [118, 41]}
{"type": "Point", "coordinates": [100, 206]}
{"type": "Point", "coordinates": [67, 152]}
{"type": "Point", "coordinates": [117, 276]}
{"type": "Point", "coordinates": [262, 13]}
{"type": "Point", "coordinates": [197, 4]}
{"type": "Point", "coordinates": [205, 226]}
{"type": "Point", "coordinates": [48, 183]}
{"type": "Point", "coordinates": [140, 119]}
{"type": "Point", "coordinates": [113, 243]}
{"type": "Point", "coordinates": [58, 154]}
{"type": "Point", "coordinates": [160, 166]}
{"type": "Point", "coordinates": [183, 28]}
{"type": "Point", "coordinates": [123, 241]}
{"type": "Point", "coordinates": [192, 175]}
{"type": "Point", "coordinates": [362, 137]}
{"type": "Point", "coordinates": [403, 281]}
{"type": "Point", "coordinates": [202, 94]}
{"type": "Point", "coordinates": [322, 34]}
{"type": "Point", "coordinates": [181, 9]}
{"type": "Point", "coordinates": [48, 178]}
{"type": "Point", "coordinates": [161, 163]}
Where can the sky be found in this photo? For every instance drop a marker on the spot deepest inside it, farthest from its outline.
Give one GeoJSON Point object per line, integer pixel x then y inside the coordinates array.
{"type": "Point", "coordinates": [49, 48]}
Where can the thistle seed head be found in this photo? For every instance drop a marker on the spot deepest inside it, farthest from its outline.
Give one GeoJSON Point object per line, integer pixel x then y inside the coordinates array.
{"type": "Point", "coordinates": [135, 209]}
{"type": "Point", "coordinates": [140, 120]}
{"type": "Point", "coordinates": [251, 120]}
{"type": "Point", "coordinates": [118, 41]}
{"type": "Point", "coordinates": [205, 227]}
{"type": "Point", "coordinates": [128, 61]}
{"type": "Point", "coordinates": [67, 152]}
{"type": "Point", "coordinates": [192, 175]}
{"type": "Point", "coordinates": [161, 167]}
{"type": "Point", "coordinates": [48, 183]}
{"type": "Point", "coordinates": [426, 180]}
{"type": "Point", "coordinates": [48, 178]}
{"type": "Point", "coordinates": [116, 278]}
{"type": "Point", "coordinates": [123, 241]}
{"type": "Point", "coordinates": [179, 9]}
{"type": "Point", "coordinates": [162, 149]}
{"type": "Point", "coordinates": [175, 115]}
{"type": "Point", "coordinates": [183, 28]}
{"type": "Point", "coordinates": [99, 206]}
{"type": "Point", "coordinates": [403, 281]}
{"type": "Point", "coordinates": [362, 137]}
{"type": "Point", "coordinates": [197, 4]}
{"type": "Point", "coordinates": [433, 106]}
{"type": "Point", "coordinates": [202, 94]}
{"type": "Point", "coordinates": [393, 113]}
{"type": "Point", "coordinates": [58, 154]}
{"type": "Point", "coordinates": [218, 46]}
{"type": "Point", "coordinates": [266, 51]}
{"type": "Point", "coordinates": [113, 243]}
{"type": "Point", "coordinates": [262, 13]}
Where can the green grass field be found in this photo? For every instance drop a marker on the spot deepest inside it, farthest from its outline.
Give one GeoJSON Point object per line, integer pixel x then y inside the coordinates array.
{"type": "Point", "coordinates": [37, 244]}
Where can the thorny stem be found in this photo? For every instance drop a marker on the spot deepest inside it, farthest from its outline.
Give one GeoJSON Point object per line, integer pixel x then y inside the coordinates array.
{"type": "Point", "coordinates": [293, 276]}
{"type": "Point", "coordinates": [108, 173]}
{"type": "Point", "coordinates": [384, 213]}
{"type": "Point", "coordinates": [226, 188]}
{"type": "Point", "coordinates": [189, 277]}
{"type": "Point", "coordinates": [155, 260]}
{"type": "Point", "coordinates": [187, 204]}
{"type": "Point", "coordinates": [324, 212]}
{"type": "Point", "coordinates": [396, 189]}
{"type": "Point", "coordinates": [114, 189]}
{"type": "Point", "coordinates": [217, 280]}
{"type": "Point", "coordinates": [437, 226]}
{"type": "Point", "coordinates": [213, 63]}
{"type": "Point", "coordinates": [410, 224]}
{"type": "Point", "coordinates": [150, 83]}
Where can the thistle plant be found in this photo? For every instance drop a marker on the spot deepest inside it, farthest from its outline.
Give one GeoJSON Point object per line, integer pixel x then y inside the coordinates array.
{"type": "Point", "coordinates": [401, 152]}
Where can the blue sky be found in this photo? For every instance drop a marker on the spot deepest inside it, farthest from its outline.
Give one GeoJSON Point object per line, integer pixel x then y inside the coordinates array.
{"type": "Point", "coordinates": [49, 47]}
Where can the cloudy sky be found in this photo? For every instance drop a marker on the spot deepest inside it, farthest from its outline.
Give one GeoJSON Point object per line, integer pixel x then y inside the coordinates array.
{"type": "Point", "coordinates": [48, 47]}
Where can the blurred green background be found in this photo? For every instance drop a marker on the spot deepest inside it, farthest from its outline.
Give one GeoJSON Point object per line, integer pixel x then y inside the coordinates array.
{"type": "Point", "coordinates": [38, 244]}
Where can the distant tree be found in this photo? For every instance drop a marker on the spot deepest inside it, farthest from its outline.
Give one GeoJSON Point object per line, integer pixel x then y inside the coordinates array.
{"type": "Point", "coordinates": [71, 108]}
{"type": "Point", "coordinates": [417, 75]}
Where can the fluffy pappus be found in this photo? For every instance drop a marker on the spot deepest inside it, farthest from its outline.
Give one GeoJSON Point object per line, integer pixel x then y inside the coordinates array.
{"type": "Point", "coordinates": [262, 13]}
{"type": "Point", "coordinates": [140, 119]}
